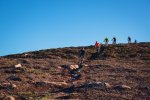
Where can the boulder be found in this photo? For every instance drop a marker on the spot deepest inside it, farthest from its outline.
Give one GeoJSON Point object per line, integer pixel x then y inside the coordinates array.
{"type": "Point", "coordinates": [7, 86]}
{"type": "Point", "coordinates": [74, 67]}
{"type": "Point", "coordinates": [14, 78]}
{"type": "Point", "coordinates": [18, 66]}
{"type": "Point", "coordinates": [121, 87]}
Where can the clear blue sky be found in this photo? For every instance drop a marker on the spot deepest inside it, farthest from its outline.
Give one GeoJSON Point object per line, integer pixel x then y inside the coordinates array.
{"type": "Point", "coordinates": [28, 25]}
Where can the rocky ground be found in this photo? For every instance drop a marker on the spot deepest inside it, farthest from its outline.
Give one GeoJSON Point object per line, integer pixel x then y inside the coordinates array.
{"type": "Point", "coordinates": [120, 72]}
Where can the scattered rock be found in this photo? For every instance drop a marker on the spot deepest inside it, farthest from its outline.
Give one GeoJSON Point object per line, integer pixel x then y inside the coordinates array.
{"type": "Point", "coordinates": [59, 67]}
{"type": "Point", "coordinates": [44, 83]}
{"type": "Point", "coordinates": [63, 84]}
{"type": "Point", "coordinates": [14, 78]}
{"type": "Point", "coordinates": [73, 67]}
{"type": "Point", "coordinates": [40, 84]}
{"type": "Point", "coordinates": [9, 98]}
{"type": "Point", "coordinates": [121, 87]}
{"type": "Point", "coordinates": [85, 65]}
{"type": "Point", "coordinates": [100, 85]}
{"type": "Point", "coordinates": [14, 86]}
{"type": "Point", "coordinates": [26, 54]}
{"type": "Point", "coordinates": [18, 66]}
{"type": "Point", "coordinates": [7, 86]}
{"type": "Point", "coordinates": [15, 69]}
{"type": "Point", "coordinates": [107, 85]}
{"type": "Point", "coordinates": [92, 85]}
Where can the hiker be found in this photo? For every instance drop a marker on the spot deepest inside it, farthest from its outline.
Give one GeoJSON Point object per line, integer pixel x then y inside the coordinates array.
{"type": "Point", "coordinates": [114, 40]}
{"type": "Point", "coordinates": [106, 40]}
{"type": "Point", "coordinates": [97, 46]}
{"type": "Point", "coordinates": [129, 39]}
{"type": "Point", "coordinates": [81, 55]}
{"type": "Point", "coordinates": [135, 41]}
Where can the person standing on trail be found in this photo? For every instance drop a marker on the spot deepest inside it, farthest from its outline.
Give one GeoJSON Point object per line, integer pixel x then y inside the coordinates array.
{"type": "Point", "coordinates": [129, 39]}
{"type": "Point", "coordinates": [97, 46]}
{"type": "Point", "coordinates": [135, 41]}
{"type": "Point", "coordinates": [81, 55]}
{"type": "Point", "coordinates": [114, 40]}
{"type": "Point", "coordinates": [106, 40]}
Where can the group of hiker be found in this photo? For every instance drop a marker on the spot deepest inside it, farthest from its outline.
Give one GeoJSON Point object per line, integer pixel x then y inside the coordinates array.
{"type": "Point", "coordinates": [99, 47]}
{"type": "Point", "coordinates": [99, 50]}
{"type": "Point", "coordinates": [106, 40]}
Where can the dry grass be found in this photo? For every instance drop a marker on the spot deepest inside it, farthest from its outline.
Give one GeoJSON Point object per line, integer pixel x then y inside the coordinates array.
{"type": "Point", "coordinates": [120, 64]}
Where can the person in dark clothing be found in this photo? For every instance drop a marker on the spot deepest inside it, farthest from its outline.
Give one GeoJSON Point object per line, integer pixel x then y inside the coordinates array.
{"type": "Point", "coordinates": [114, 40]}
{"type": "Point", "coordinates": [81, 55]}
{"type": "Point", "coordinates": [129, 39]}
{"type": "Point", "coordinates": [135, 41]}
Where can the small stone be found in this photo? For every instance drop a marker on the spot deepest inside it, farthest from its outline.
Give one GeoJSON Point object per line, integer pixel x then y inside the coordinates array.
{"type": "Point", "coordinates": [14, 86]}
{"type": "Point", "coordinates": [9, 98]}
{"type": "Point", "coordinates": [107, 85]}
{"type": "Point", "coordinates": [18, 66]}
{"type": "Point", "coordinates": [121, 87]}
{"type": "Point", "coordinates": [73, 66]}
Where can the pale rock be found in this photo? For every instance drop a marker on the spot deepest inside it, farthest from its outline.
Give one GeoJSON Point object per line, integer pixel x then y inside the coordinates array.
{"type": "Point", "coordinates": [121, 87]}
{"type": "Point", "coordinates": [73, 67]}
{"type": "Point", "coordinates": [107, 85]}
{"type": "Point", "coordinates": [14, 86]}
{"type": "Point", "coordinates": [10, 98]}
{"type": "Point", "coordinates": [18, 66]}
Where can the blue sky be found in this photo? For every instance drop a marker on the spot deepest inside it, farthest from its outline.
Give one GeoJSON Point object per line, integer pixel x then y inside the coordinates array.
{"type": "Point", "coordinates": [28, 25]}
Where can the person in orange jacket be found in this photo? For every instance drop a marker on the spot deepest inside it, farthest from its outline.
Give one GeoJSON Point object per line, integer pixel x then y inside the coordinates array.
{"type": "Point", "coordinates": [97, 46]}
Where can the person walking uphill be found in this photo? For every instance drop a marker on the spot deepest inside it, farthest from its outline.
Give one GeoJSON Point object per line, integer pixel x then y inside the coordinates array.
{"type": "Point", "coordinates": [106, 40]}
{"type": "Point", "coordinates": [114, 40]}
{"type": "Point", "coordinates": [81, 55]}
{"type": "Point", "coordinates": [129, 39]}
{"type": "Point", "coordinates": [97, 46]}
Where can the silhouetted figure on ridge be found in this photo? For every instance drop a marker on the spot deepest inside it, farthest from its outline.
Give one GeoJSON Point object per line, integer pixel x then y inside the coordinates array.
{"type": "Point", "coordinates": [135, 41]}
{"type": "Point", "coordinates": [114, 40]}
{"type": "Point", "coordinates": [106, 40]}
{"type": "Point", "coordinates": [129, 39]}
{"type": "Point", "coordinates": [97, 46]}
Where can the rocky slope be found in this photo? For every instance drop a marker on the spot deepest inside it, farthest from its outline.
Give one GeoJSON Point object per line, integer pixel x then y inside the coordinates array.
{"type": "Point", "coordinates": [119, 71]}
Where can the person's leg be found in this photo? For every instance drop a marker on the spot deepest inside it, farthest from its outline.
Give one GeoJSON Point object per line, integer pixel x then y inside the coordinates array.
{"type": "Point", "coordinates": [96, 49]}
{"type": "Point", "coordinates": [99, 49]}
{"type": "Point", "coordinates": [80, 59]}
{"type": "Point", "coordinates": [107, 43]}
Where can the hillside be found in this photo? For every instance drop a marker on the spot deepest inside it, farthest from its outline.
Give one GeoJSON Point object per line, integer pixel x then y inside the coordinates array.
{"type": "Point", "coordinates": [45, 74]}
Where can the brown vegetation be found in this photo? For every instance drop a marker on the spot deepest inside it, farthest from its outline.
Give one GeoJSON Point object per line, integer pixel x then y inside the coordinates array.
{"type": "Point", "coordinates": [119, 72]}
